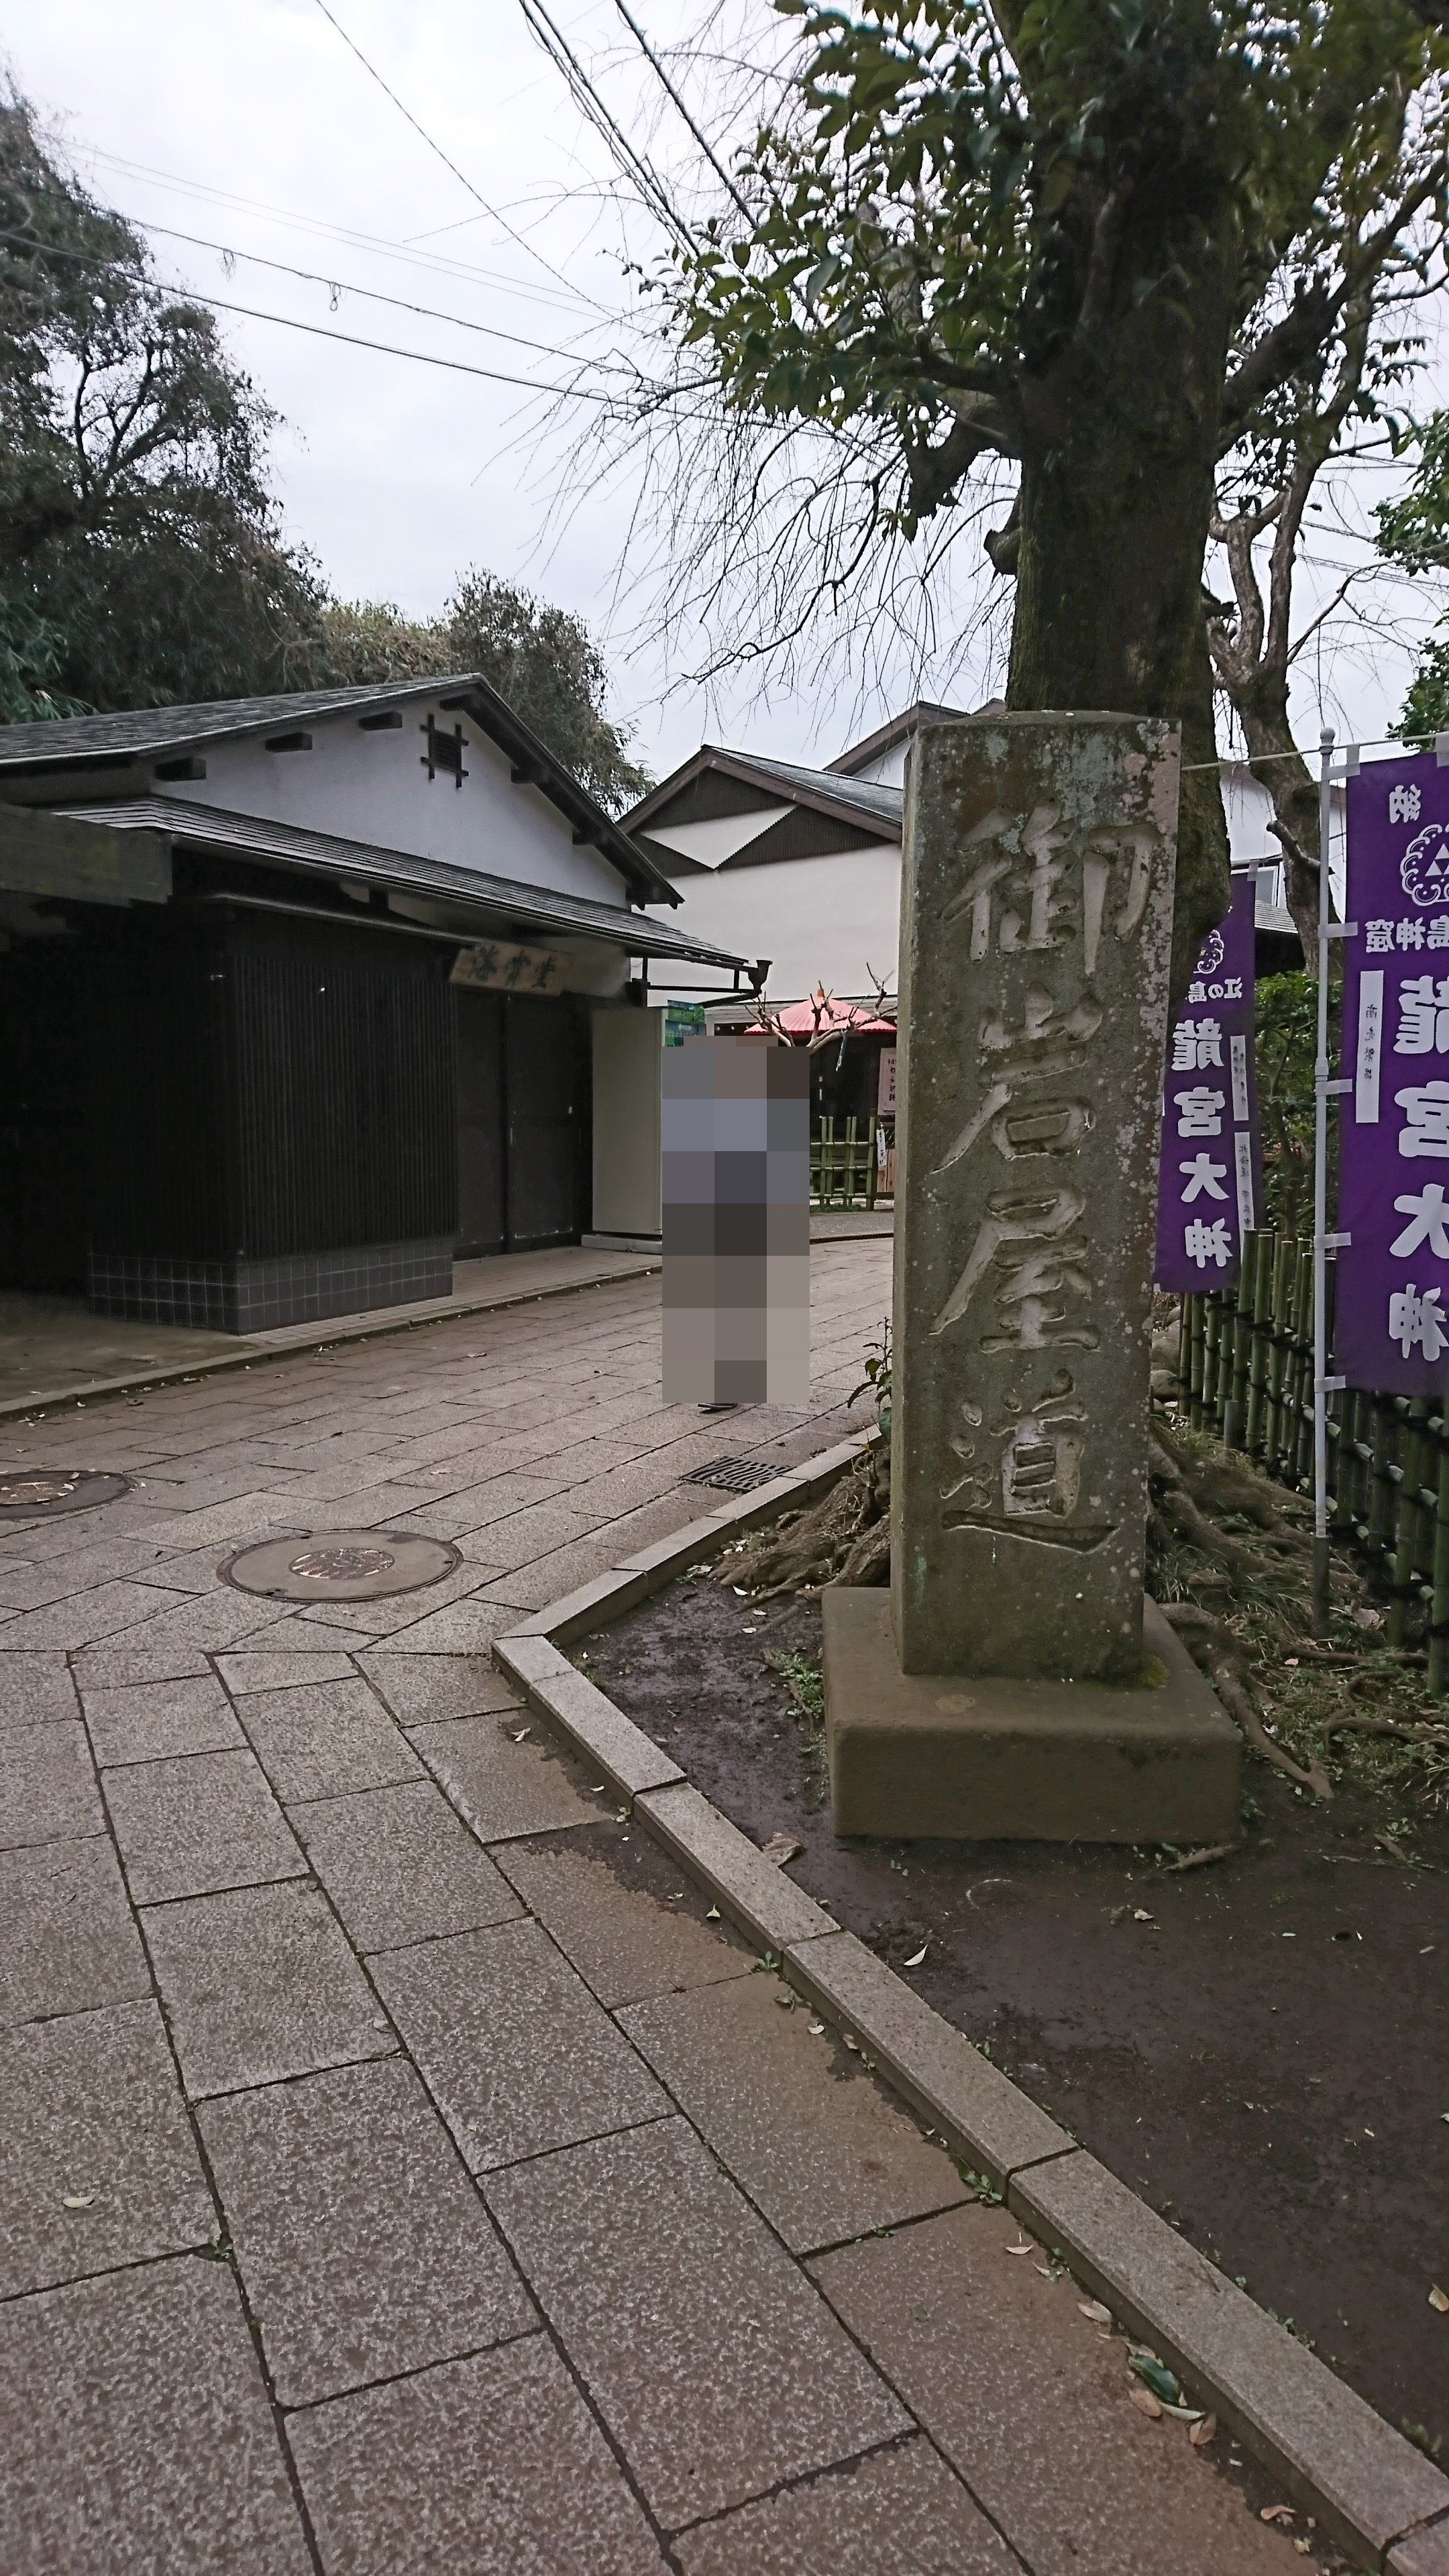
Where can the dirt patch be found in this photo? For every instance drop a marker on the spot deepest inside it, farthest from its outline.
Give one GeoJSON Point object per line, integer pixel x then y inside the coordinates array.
{"type": "Point", "coordinates": [1258, 2047]}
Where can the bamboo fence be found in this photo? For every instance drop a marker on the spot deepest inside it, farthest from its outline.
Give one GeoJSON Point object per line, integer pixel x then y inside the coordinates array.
{"type": "Point", "coordinates": [845, 1170]}
{"type": "Point", "coordinates": [1245, 1370]}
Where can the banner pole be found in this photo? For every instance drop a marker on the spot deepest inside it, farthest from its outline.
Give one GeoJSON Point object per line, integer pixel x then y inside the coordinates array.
{"type": "Point", "coordinates": [1320, 1207]}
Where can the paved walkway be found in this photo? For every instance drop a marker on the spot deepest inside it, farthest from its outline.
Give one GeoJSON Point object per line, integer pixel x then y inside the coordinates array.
{"type": "Point", "coordinates": [400, 2174]}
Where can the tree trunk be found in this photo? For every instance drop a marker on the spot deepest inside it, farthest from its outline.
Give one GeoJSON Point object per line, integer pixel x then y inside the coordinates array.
{"type": "Point", "coordinates": [1116, 496]}
{"type": "Point", "coordinates": [1262, 709]}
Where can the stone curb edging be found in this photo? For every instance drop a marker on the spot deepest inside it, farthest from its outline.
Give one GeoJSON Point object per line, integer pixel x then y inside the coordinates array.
{"type": "Point", "coordinates": [1371, 2491]}
{"type": "Point", "coordinates": [327, 1334]}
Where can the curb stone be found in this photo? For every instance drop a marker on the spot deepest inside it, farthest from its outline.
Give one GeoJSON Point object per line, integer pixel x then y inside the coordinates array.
{"type": "Point", "coordinates": [1371, 2491]}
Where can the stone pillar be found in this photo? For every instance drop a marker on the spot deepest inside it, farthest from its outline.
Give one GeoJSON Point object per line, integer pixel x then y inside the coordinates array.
{"type": "Point", "coordinates": [1035, 934]}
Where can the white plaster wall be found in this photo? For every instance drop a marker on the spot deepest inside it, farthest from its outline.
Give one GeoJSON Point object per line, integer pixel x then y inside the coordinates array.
{"type": "Point", "coordinates": [375, 787]}
{"type": "Point", "coordinates": [832, 920]}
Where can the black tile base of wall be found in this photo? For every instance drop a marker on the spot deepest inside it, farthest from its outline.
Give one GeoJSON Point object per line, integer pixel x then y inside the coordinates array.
{"type": "Point", "coordinates": [242, 1296]}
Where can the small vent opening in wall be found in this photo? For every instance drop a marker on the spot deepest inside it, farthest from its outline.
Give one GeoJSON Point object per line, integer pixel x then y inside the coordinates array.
{"type": "Point", "coordinates": [444, 752]}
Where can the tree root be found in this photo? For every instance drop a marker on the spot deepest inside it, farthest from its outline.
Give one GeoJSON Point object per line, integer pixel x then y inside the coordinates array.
{"type": "Point", "coordinates": [1422, 1731]}
{"type": "Point", "coordinates": [1219, 1653]}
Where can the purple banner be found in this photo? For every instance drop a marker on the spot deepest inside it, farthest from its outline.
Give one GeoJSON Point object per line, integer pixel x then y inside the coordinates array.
{"type": "Point", "coordinates": [1391, 1309]}
{"type": "Point", "coordinates": [1210, 1174]}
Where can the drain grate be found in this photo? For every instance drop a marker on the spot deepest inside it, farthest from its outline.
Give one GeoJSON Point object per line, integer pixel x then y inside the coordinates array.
{"type": "Point", "coordinates": [341, 1565]}
{"type": "Point", "coordinates": [28, 1492]}
{"type": "Point", "coordinates": [735, 1475]}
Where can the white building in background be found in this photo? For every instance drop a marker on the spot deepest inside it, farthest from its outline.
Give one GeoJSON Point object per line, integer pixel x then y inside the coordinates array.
{"type": "Point", "coordinates": [803, 866]}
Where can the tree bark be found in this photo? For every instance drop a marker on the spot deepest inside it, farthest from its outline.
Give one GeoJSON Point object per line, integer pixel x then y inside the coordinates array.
{"type": "Point", "coordinates": [1120, 434]}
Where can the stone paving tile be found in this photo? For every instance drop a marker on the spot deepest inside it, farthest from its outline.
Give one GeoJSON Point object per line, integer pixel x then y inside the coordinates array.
{"type": "Point", "coordinates": [202, 1625]}
{"type": "Point", "coordinates": [482, 2465]}
{"type": "Point", "coordinates": [631, 1921]}
{"type": "Point", "coordinates": [93, 2114]}
{"type": "Point", "coordinates": [364, 2247]}
{"type": "Point", "coordinates": [123, 1661]}
{"type": "Point", "coordinates": [519, 1537]}
{"type": "Point", "coordinates": [400, 1866]}
{"type": "Point", "coordinates": [898, 2513]}
{"type": "Point", "coordinates": [106, 1611]}
{"type": "Point", "coordinates": [503, 1787]}
{"type": "Point", "coordinates": [326, 1738]}
{"type": "Point", "coordinates": [47, 1785]}
{"type": "Point", "coordinates": [1031, 2406]}
{"type": "Point", "coordinates": [192, 1826]}
{"type": "Point", "coordinates": [464, 1628]}
{"type": "Point", "coordinates": [512, 2046]}
{"type": "Point", "coordinates": [144, 2442]}
{"type": "Point", "coordinates": [259, 1984]}
{"type": "Point", "coordinates": [255, 1514]}
{"type": "Point", "coordinates": [58, 1574]}
{"type": "Point", "coordinates": [425, 1690]}
{"type": "Point", "coordinates": [549, 1578]}
{"type": "Point", "coordinates": [816, 2143]}
{"type": "Point", "coordinates": [68, 1941]}
{"type": "Point", "coordinates": [145, 1721]}
{"type": "Point", "coordinates": [283, 1668]}
{"type": "Point", "coordinates": [35, 1690]}
{"type": "Point", "coordinates": [714, 2365]}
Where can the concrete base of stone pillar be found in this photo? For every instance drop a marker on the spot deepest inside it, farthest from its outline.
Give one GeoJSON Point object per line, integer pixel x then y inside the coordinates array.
{"type": "Point", "coordinates": [977, 1758]}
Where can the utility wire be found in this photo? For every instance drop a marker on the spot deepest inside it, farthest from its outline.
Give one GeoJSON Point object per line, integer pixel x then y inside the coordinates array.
{"type": "Point", "coordinates": [631, 162]}
{"type": "Point", "coordinates": [650, 56]}
{"type": "Point", "coordinates": [288, 322]}
{"type": "Point", "coordinates": [421, 131]}
{"type": "Point", "coordinates": [466, 271]}
{"type": "Point", "coordinates": [337, 286]}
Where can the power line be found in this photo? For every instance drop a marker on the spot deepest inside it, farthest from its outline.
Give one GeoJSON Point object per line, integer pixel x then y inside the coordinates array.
{"type": "Point", "coordinates": [581, 89]}
{"type": "Point", "coordinates": [647, 50]}
{"type": "Point", "coordinates": [288, 322]}
{"type": "Point", "coordinates": [465, 271]}
{"type": "Point", "coordinates": [421, 131]}
{"type": "Point", "coordinates": [338, 286]}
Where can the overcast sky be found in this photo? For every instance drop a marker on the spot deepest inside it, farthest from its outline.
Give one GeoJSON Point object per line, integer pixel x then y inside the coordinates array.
{"type": "Point", "coordinates": [249, 122]}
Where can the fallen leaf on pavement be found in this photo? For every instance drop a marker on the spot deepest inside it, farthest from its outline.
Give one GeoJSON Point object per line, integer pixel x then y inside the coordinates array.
{"type": "Point", "coordinates": [1156, 2375]}
{"type": "Point", "coordinates": [1439, 2299]}
{"type": "Point", "coordinates": [1201, 2433]}
{"type": "Point", "coordinates": [1144, 2399]}
{"type": "Point", "coordinates": [1094, 2309]}
{"type": "Point", "coordinates": [1140, 1914]}
{"type": "Point", "coordinates": [780, 1848]}
{"type": "Point", "coordinates": [79, 2199]}
{"type": "Point", "coordinates": [816, 2028]}
{"type": "Point", "coordinates": [1275, 2513]}
{"type": "Point", "coordinates": [522, 1731]}
{"type": "Point", "coordinates": [919, 1955]}
{"type": "Point", "coordinates": [713, 1915]}
{"type": "Point", "coordinates": [1027, 2248]}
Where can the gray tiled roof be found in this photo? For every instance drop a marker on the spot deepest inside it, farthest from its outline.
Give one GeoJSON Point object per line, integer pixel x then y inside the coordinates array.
{"type": "Point", "coordinates": [873, 802]}
{"type": "Point", "coordinates": [139, 733]}
{"type": "Point", "coordinates": [326, 854]}
{"type": "Point", "coordinates": [137, 730]}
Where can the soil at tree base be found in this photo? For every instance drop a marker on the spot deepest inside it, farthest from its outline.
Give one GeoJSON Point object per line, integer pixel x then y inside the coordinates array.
{"type": "Point", "coordinates": [1264, 2059]}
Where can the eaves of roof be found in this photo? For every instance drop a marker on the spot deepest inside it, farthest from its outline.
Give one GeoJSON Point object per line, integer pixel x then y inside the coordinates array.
{"type": "Point", "coordinates": [468, 890]}
{"type": "Point", "coordinates": [845, 800]}
{"type": "Point", "coordinates": [137, 733]}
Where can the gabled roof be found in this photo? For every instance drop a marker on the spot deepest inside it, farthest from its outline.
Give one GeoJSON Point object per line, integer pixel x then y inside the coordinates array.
{"type": "Point", "coordinates": [845, 800]}
{"type": "Point", "coordinates": [323, 854]}
{"type": "Point", "coordinates": [141, 733]}
{"type": "Point", "coordinates": [886, 736]}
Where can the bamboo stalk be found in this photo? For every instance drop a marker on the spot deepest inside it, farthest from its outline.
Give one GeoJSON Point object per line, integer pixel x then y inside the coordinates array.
{"type": "Point", "coordinates": [1439, 1605]}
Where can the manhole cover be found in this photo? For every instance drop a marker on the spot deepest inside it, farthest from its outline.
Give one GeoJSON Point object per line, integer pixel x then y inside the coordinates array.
{"type": "Point", "coordinates": [734, 1475]}
{"type": "Point", "coordinates": [27, 1492]}
{"type": "Point", "coordinates": [341, 1565]}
